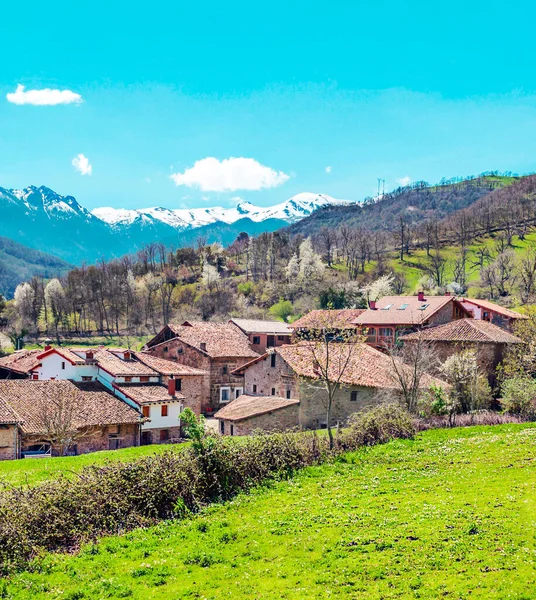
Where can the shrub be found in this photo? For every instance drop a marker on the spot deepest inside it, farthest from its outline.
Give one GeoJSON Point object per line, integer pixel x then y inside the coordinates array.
{"type": "Point", "coordinates": [519, 396]}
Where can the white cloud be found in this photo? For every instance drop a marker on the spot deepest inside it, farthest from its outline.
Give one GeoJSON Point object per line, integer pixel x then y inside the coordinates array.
{"type": "Point", "coordinates": [45, 97]}
{"type": "Point", "coordinates": [328, 169]}
{"type": "Point", "coordinates": [403, 181]}
{"type": "Point", "coordinates": [229, 175]}
{"type": "Point", "coordinates": [81, 164]}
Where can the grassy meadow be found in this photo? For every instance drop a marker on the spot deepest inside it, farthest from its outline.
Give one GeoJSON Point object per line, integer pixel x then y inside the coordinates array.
{"type": "Point", "coordinates": [450, 514]}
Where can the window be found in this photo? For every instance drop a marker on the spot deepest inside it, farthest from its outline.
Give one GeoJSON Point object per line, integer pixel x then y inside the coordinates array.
{"type": "Point", "coordinates": [288, 394]}
{"type": "Point", "coordinates": [238, 392]}
{"type": "Point", "coordinates": [256, 340]}
{"type": "Point", "coordinates": [164, 411]}
{"type": "Point", "coordinates": [166, 348]}
{"type": "Point", "coordinates": [128, 379]}
{"type": "Point", "coordinates": [273, 391]}
{"type": "Point", "coordinates": [224, 370]}
{"type": "Point", "coordinates": [87, 378]}
{"type": "Point", "coordinates": [35, 376]}
{"type": "Point", "coordinates": [387, 307]}
{"type": "Point", "coordinates": [281, 338]}
{"type": "Point", "coordinates": [225, 394]}
{"type": "Point", "coordinates": [164, 435]}
{"type": "Point", "coordinates": [222, 427]}
{"type": "Point", "coordinates": [270, 341]}
{"type": "Point", "coordinates": [63, 365]}
{"type": "Point", "coordinates": [272, 359]}
{"type": "Point", "coordinates": [146, 411]}
{"type": "Point", "coordinates": [144, 379]}
{"type": "Point", "coordinates": [386, 332]}
{"type": "Point", "coordinates": [403, 307]}
{"type": "Point", "coordinates": [353, 396]}
{"type": "Point", "coordinates": [179, 351]}
{"type": "Point", "coordinates": [423, 306]}
{"type": "Point", "coordinates": [178, 385]}
{"type": "Point", "coordinates": [254, 388]}
{"type": "Point", "coordinates": [232, 429]}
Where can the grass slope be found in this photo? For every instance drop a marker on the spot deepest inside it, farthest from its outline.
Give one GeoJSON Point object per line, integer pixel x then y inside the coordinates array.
{"type": "Point", "coordinates": [449, 514]}
{"type": "Point", "coordinates": [32, 471]}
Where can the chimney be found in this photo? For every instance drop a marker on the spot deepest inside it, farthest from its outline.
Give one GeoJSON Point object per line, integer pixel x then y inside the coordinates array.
{"type": "Point", "coordinates": [171, 387]}
{"type": "Point", "coordinates": [48, 347]}
{"type": "Point", "coordinates": [89, 355]}
{"type": "Point", "coordinates": [203, 346]}
{"type": "Point", "coordinates": [420, 296]}
{"type": "Point", "coordinates": [372, 304]}
{"type": "Point", "coordinates": [127, 355]}
{"type": "Point", "coordinates": [447, 293]}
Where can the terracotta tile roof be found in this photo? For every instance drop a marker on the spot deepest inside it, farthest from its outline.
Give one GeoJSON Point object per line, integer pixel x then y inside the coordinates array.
{"type": "Point", "coordinates": [501, 310]}
{"type": "Point", "coordinates": [246, 406]}
{"type": "Point", "coordinates": [167, 367]}
{"type": "Point", "coordinates": [465, 330]}
{"type": "Point", "coordinates": [21, 361]}
{"type": "Point", "coordinates": [403, 310]}
{"type": "Point", "coordinates": [7, 415]}
{"type": "Point", "coordinates": [260, 326]}
{"type": "Point", "coordinates": [148, 393]}
{"type": "Point", "coordinates": [95, 405]}
{"type": "Point", "coordinates": [67, 353]}
{"type": "Point", "coordinates": [341, 319]}
{"type": "Point", "coordinates": [112, 361]}
{"type": "Point", "coordinates": [221, 340]}
{"type": "Point", "coordinates": [360, 364]}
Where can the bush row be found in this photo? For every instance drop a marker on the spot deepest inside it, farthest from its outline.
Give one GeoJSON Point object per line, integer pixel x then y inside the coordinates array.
{"type": "Point", "coordinates": [62, 514]}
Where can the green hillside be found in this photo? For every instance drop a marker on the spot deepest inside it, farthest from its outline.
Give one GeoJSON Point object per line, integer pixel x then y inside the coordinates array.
{"type": "Point", "coordinates": [447, 515]}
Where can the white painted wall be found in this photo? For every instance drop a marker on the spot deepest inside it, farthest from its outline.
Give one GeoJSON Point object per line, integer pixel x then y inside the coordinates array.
{"type": "Point", "coordinates": [477, 310]}
{"type": "Point", "coordinates": [159, 422]}
{"type": "Point", "coordinates": [52, 368]}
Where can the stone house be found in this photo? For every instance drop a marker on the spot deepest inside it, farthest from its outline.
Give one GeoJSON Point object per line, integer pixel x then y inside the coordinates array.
{"type": "Point", "coordinates": [138, 378]}
{"type": "Point", "coordinates": [282, 388]}
{"type": "Point", "coordinates": [488, 340]}
{"type": "Point", "coordinates": [494, 313]}
{"type": "Point", "coordinates": [216, 348]}
{"type": "Point", "coordinates": [263, 334]}
{"type": "Point", "coordinates": [392, 316]}
{"type": "Point", "coordinates": [31, 410]}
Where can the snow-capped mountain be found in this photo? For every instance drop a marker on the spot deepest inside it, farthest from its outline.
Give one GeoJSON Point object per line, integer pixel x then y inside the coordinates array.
{"type": "Point", "coordinates": [45, 220]}
{"type": "Point", "coordinates": [297, 207]}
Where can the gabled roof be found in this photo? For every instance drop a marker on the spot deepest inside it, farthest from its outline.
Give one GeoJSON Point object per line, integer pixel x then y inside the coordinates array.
{"type": "Point", "coordinates": [220, 340]}
{"type": "Point", "coordinates": [501, 310]}
{"type": "Point", "coordinates": [465, 330]}
{"type": "Point", "coordinates": [260, 326]}
{"type": "Point", "coordinates": [351, 364]}
{"type": "Point", "coordinates": [340, 319]}
{"type": "Point", "coordinates": [246, 407]}
{"type": "Point", "coordinates": [21, 361]}
{"type": "Point", "coordinates": [148, 393]}
{"type": "Point", "coordinates": [403, 310]}
{"type": "Point", "coordinates": [112, 361]}
{"type": "Point", "coordinates": [67, 353]}
{"type": "Point", "coordinates": [167, 367]}
{"type": "Point", "coordinates": [94, 405]}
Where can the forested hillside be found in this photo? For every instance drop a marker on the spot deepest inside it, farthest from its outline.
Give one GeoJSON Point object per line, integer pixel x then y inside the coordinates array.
{"type": "Point", "coordinates": [19, 263]}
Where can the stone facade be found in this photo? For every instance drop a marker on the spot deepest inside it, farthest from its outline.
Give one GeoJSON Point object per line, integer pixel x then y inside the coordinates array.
{"type": "Point", "coordinates": [161, 435]}
{"type": "Point", "coordinates": [9, 442]}
{"type": "Point", "coordinates": [282, 419]}
{"type": "Point", "coordinates": [261, 341]}
{"type": "Point", "coordinates": [271, 376]}
{"type": "Point", "coordinates": [218, 377]}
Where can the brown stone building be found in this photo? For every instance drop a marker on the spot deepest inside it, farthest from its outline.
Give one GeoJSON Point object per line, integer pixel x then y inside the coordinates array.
{"type": "Point", "coordinates": [392, 316]}
{"type": "Point", "coordinates": [32, 413]}
{"type": "Point", "coordinates": [289, 374]}
{"type": "Point", "coordinates": [263, 334]}
{"type": "Point", "coordinates": [488, 340]}
{"type": "Point", "coordinates": [216, 348]}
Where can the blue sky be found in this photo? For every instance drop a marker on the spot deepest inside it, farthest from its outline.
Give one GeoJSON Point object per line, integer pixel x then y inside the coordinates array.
{"type": "Point", "coordinates": [385, 89]}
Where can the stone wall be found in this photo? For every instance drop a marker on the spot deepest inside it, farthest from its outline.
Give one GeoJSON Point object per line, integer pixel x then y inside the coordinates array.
{"type": "Point", "coordinates": [8, 442]}
{"type": "Point", "coordinates": [154, 436]}
{"type": "Point", "coordinates": [261, 379]}
{"type": "Point", "coordinates": [277, 420]}
{"type": "Point", "coordinates": [445, 315]}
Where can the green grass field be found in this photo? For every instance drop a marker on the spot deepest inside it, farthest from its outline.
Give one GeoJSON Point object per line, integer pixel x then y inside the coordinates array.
{"type": "Point", "coordinates": [450, 514]}
{"type": "Point", "coordinates": [33, 471]}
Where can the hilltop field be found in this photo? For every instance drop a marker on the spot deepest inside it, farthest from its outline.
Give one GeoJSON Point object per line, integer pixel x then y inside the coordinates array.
{"type": "Point", "coordinates": [449, 514]}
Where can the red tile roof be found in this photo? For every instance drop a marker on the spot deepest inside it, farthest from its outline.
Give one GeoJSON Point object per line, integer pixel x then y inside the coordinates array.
{"type": "Point", "coordinates": [465, 330]}
{"type": "Point", "coordinates": [112, 361]}
{"type": "Point", "coordinates": [340, 319]}
{"type": "Point", "coordinates": [148, 393]}
{"type": "Point", "coordinates": [260, 326]}
{"type": "Point", "coordinates": [220, 340]}
{"type": "Point", "coordinates": [66, 353]}
{"type": "Point", "coordinates": [7, 415]}
{"type": "Point", "coordinates": [351, 364]}
{"type": "Point", "coordinates": [403, 310]}
{"type": "Point", "coordinates": [167, 367]}
{"type": "Point", "coordinates": [21, 361]}
{"type": "Point", "coordinates": [246, 406]}
{"type": "Point", "coordinates": [93, 403]}
{"type": "Point", "coordinates": [501, 310]}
